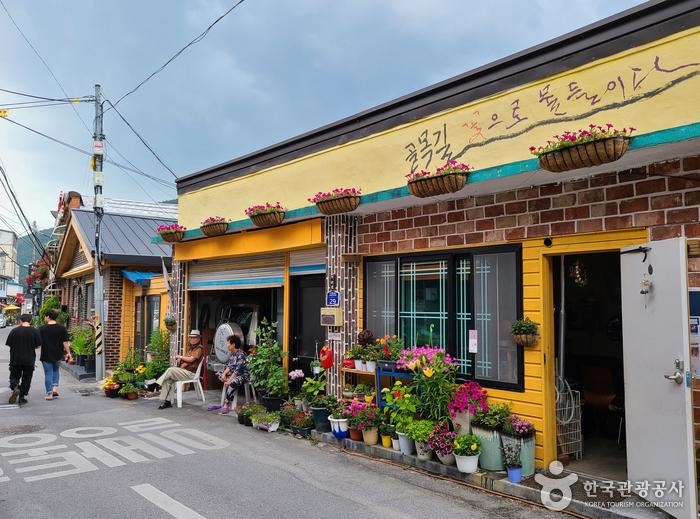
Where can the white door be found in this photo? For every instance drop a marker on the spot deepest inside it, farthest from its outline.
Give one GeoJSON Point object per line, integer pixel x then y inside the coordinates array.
{"type": "Point", "coordinates": [658, 408]}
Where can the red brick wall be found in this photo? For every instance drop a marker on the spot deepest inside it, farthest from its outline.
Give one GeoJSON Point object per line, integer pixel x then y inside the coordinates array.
{"type": "Point", "coordinates": [112, 328]}
{"type": "Point", "coordinates": [664, 196]}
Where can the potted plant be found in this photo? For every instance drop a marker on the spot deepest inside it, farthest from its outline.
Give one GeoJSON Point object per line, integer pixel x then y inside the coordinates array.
{"type": "Point", "coordinates": [339, 421]}
{"type": "Point", "coordinates": [469, 398]}
{"type": "Point", "coordinates": [349, 358]}
{"type": "Point", "coordinates": [403, 404]}
{"type": "Point", "coordinates": [390, 348]}
{"type": "Point", "coordinates": [266, 215]}
{"type": "Point", "coordinates": [524, 332]}
{"type": "Point", "coordinates": [171, 233]}
{"type": "Point", "coordinates": [521, 432]}
{"type": "Point", "coordinates": [348, 391]}
{"type": "Point", "coordinates": [248, 410]}
{"type": "Point", "coordinates": [321, 410]}
{"type": "Point", "coordinates": [467, 448]}
{"type": "Point", "coordinates": [371, 356]}
{"type": "Point", "coordinates": [287, 412]}
{"type": "Point", "coordinates": [486, 425]}
{"type": "Point", "coordinates": [584, 148]}
{"type": "Point", "coordinates": [269, 421]}
{"type": "Point", "coordinates": [387, 431]}
{"type": "Point", "coordinates": [448, 178]}
{"type": "Point", "coordinates": [511, 459]}
{"type": "Point", "coordinates": [170, 323]}
{"type": "Point", "coordinates": [302, 423]}
{"type": "Point", "coordinates": [339, 200]}
{"type": "Point", "coordinates": [362, 390]}
{"type": "Point", "coordinates": [315, 366]}
{"type": "Point", "coordinates": [419, 431]}
{"type": "Point", "coordinates": [110, 387]}
{"type": "Point", "coordinates": [364, 340]}
{"type": "Point", "coordinates": [368, 421]}
{"type": "Point", "coordinates": [266, 368]}
{"type": "Point", "coordinates": [441, 441]}
{"type": "Point", "coordinates": [355, 414]}
{"type": "Point", "coordinates": [129, 391]}
{"type": "Point", "coordinates": [214, 226]}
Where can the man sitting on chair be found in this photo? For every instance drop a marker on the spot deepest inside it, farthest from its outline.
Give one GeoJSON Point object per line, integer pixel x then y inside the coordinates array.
{"type": "Point", "coordinates": [187, 365]}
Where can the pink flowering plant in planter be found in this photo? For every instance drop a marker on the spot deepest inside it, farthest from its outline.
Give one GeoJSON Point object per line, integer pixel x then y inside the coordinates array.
{"type": "Point", "coordinates": [441, 440]}
{"type": "Point", "coordinates": [296, 374]}
{"type": "Point", "coordinates": [338, 192]}
{"type": "Point", "coordinates": [265, 208]}
{"type": "Point", "coordinates": [470, 397]}
{"type": "Point", "coordinates": [170, 229]}
{"type": "Point", "coordinates": [569, 139]}
{"type": "Point", "coordinates": [361, 416]}
{"type": "Point", "coordinates": [215, 219]}
{"type": "Point", "coordinates": [448, 168]}
{"type": "Point", "coordinates": [518, 427]}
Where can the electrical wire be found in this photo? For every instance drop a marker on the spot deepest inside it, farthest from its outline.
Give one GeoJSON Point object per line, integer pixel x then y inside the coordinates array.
{"type": "Point", "coordinates": [24, 107]}
{"type": "Point", "coordinates": [143, 141]}
{"type": "Point", "coordinates": [84, 152]}
{"type": "Point", "coordinates": [196, 40]}
{"type": "Point", "coordinates": [82, 99]}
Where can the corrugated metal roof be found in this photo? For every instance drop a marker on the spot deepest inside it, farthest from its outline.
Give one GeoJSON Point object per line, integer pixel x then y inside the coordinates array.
{"type": "Point", "coordinates": [124, 237]}
{"type": "Point", "coordinates": [135, 208]}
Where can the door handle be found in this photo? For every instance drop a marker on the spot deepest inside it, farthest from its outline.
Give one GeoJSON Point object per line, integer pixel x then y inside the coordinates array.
{"type": "Point", "coordinates": [294, 359]}
{"type": "Point", "coordinates": [677, 377]}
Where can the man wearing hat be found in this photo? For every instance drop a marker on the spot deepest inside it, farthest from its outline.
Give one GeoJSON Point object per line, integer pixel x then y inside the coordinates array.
{"type": "Point", "coordinates": [187, 365]}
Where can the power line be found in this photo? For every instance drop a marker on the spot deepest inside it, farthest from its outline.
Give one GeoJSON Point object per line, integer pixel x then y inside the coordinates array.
{"type": "Point", "coordinates": [143, 141]}
{"type": "Point", "coordinates": [197, 39]}
{"type": "Point", "coordinates": [79, 150]}
{"type": "Point", "coordinates": [81, 99]}
{"type": "Point", "coordinates": [23, 107]}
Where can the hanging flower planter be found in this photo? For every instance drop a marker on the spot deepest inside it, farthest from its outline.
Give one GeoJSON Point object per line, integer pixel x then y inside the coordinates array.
{"type": "Point", "coordinates": [338, 201]}
{"type": "Point", "coordinates": [583, 149]}
{"type": "Point", "coordinates": [525, 332]}
{"type": "Point", "coordinates": [267, 215]}
{"type": "Point", "coordinates": [214, 226]}
{"type": "Point", "coordinates": [449, 178]}
{"type": "Point", "coordinates": [172, 233]}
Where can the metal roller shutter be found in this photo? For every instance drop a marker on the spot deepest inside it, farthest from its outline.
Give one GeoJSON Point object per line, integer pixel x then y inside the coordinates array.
{"type": "Point", "coordinates": [312, 261]}
{"type": "Point", "coordinates": [237, 273]}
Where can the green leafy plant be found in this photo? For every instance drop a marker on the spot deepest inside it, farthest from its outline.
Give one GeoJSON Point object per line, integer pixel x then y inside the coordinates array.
{"type": "Point", "coordinates": [312, 387]}
{"type": "Point", "coordinates": [402, 405]}
{"type": "Point", "coordinates": [170, 320]}
{"type": "Point", "coordinates": [302, 420]}
{"type": "Point", "coordinates": [336, 409]}
{"type": "Point", "coordinates": [287, 411]}
{"type": "Point", "coordinates": [524, 327]}
{"type": "Point", "coordinates": [364, 389]}
{"type": "Point", "coordinates": [52, 303]}
{"type": "Point", "coordinates": [315, 364]}
{"type": "Point", "coordinates": [467, 445]}
{"type": "Point", "coordinates": [493, 418]}
{"type": "Point", "coordinates": [420, 430]}
{"type": "Point", "coordinates": [128, 388]}
{"type": "Point", "coordinates": [249, 409]}
{"type": "Point", "coordinates": [326, 401]}
{"type": "Point", "coordinates": [159, 345]}
{"type": "Point", "coordinates": [387, 429]}
{"type": "Point", "coordinates": [266, 364]}
{"type": "Point", "coordinates": [82, 340]}
{"type": "Point", "coordinates": [511, 455]}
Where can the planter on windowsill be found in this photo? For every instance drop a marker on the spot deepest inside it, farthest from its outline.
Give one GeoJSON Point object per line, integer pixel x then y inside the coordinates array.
{"type": "Point", "coordinates": [340, 205]}
{"type": "Point", "coordinates": [440, 184]}
{"type": "Point", "coordinates": [214, 228]}
{"type": "Point", "coordinates": [584, 155]}
{"type": "Point", "coordinates": [269, 219]}
{"type": "Point", "coordinates": [172, 236]}
{"type": "Point", "coordinates": [526, 340]}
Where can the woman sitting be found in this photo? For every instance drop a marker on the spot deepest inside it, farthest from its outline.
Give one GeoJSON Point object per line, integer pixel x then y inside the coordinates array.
{"type": "Point", "coordinates": [235, 374]}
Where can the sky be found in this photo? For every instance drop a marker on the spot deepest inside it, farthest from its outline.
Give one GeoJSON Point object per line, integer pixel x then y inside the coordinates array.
{"type": "Point", "coordinates": [270, 70]}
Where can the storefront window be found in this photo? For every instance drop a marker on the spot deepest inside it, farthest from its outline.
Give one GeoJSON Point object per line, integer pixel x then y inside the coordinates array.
{"type": "Point", "coordinates": [464, 315]}
{"type": "Point", "coordinates": [152, 316]}
{"type": "Point", "coordinates": [423, 313]}
{"type": "Point", "coordinates": [381, 298]}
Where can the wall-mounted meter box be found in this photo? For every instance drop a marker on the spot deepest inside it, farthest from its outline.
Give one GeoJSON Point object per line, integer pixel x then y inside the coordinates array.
{"type": "Point", "coordinates": [331, 316]}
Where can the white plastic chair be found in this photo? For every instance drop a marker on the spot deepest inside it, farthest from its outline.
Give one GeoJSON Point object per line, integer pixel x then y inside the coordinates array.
{"type": "Point", "coordinates": [248, 388]}
{"type": "Point", "coordinates": [197, 385]}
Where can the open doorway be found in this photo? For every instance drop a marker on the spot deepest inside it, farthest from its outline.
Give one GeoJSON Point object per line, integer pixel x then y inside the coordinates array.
{"type": "Point", "coordinates": [589, 360]}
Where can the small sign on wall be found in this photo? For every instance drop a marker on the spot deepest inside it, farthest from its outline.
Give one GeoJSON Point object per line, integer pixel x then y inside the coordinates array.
{"type": "Point", "coordinates": [332, 298]}
{"type": "Point", "coordinates": [335, 336]}
{"type": "Point", "coordinates": [473, 341]}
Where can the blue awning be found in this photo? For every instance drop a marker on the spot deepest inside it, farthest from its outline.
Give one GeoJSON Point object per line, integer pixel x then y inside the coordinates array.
{"type": "Point", "coordinates": [139, 278]}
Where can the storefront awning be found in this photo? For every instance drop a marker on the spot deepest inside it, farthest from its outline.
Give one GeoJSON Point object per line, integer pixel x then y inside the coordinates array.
{"type": "Point", "coordinates": [139, 278]}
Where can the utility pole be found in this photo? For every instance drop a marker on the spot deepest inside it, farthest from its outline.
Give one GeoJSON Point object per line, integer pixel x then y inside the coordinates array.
{"type": "Point", "coordinates": [98, 207]}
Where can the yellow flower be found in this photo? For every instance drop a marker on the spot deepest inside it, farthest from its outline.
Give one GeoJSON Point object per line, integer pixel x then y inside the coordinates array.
{"type": "Point", "coordinates": [473, 446]}
{"type": "Point", "coordinates": [428, 372]}
{"type": "Point", "coordinates": [412, 365]}
{"type": "Point", "coordinates": [140, 369]}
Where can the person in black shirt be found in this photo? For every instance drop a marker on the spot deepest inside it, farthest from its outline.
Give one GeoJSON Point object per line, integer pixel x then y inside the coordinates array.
{"type": "Point", "coordinates": [23, 342]}
{"type": "Point", "coordinates": [54, 347]}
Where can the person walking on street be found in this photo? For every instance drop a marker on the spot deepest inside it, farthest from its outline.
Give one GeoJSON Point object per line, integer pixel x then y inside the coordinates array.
{"type": "Point", "coordinates": [23, 342]}
{"type": "Point", "coordinates": [187, 366]}
{"type": "Point", "coordinates": [54, 347]}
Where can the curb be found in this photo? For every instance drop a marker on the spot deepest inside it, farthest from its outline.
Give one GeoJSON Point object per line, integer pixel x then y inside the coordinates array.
{"type": "Point", "coordinates": [77, 371]}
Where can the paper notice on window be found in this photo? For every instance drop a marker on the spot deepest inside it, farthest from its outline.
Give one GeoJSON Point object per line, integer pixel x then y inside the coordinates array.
{"type": "Point", "coordinates": [473, 341]}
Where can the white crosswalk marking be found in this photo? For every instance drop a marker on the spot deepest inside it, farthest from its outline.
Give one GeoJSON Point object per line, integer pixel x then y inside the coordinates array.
{"type": "Point", "coordinates": [165, 502]}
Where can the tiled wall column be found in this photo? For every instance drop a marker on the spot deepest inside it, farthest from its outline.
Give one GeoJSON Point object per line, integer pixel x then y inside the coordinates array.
{"type": "Point", "coordinates": [179, 289]}
{"type": "Point", "coordinates": [341, 238]}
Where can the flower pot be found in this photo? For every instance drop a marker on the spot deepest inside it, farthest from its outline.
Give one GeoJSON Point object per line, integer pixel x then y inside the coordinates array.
{"type": "Point", "coordinates": [491, 453]}
{"type": "Point", "coordinates": [448, 459]}
{"type": "Point", "coordinates": [247, 421]}
{"type": "Point", "coordinates": [272, 403]}
{"type": "Point", "coordinates": [112, 393]}
{"type": "Point", "coordinates": [268, 219]}
{"type": "Point", "coordinates": [172, 237]}
{"type": "Point", "coordinates": [370, 365]}
{"type": "Point", "coordinates": [359, 364]}
{"type": "Point", "coordinates": [321, 422]}
{"type": "Point", "coordinates": [423, 451]}
{"type": "Point", "coordinates": [269, 427]}
{"type": "Point", "coordinates": [395, 444]}
{"type": "Point", "coordinates": [584, 155]}
{"type": "Point", "coordinates": [386, 441]}
{"type": "Point", "coordinates": [349, 363]}
{"type": "Point", "coordinates": [355, 434]}
{"type": "Point", "coordinates": [347, 394]}
{"type": "Point", "coordinates": [370, 436]}
{"type": "Point", "coordinates": [527, 452]}
{"type": "Point", "coordinates": [467, 464]}
{"type": "Point", "coordinates": [462, 422]}
{"type": "Point", "coordinates": [339, 427]}
{"type": "Point", "coordinates": [172, 328]}
{"type": "Point", "coordinates": [359, 396]}
{"type": "Point", "coordinates": [514, 474]}
{"type": "Point", "coordinates": [302, 431]}
{"type": "Point", "coordinates": [241, 419]}
{"type": "Point", "coordinates": [89, 364]}
{"type": "Point", "coordinates": [299, 404]}
{"type": "Point", "coordinates": [369, 398]}
{"type": "Point", "coordinates": [387, 365]}
{"type": "Point", "coordinates": [316, 370]}
{"type": "Point", "coordinates": [132, 396]}
{"type": "Point", "coordinates": [340, 205]}
{"type": "Point", "coordinates": [214, 228]}
{"type": "Point", "coordinates": [526, 340]}
{"type": "Point", "coordinates": [406, 445]}
{"type": "Point", "coordinates": [437, 185]}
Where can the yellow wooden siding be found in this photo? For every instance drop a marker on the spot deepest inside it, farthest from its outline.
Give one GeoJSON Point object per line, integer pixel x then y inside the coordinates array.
{"type": "Point", "coordinates": [286, 313]}
{"type": "Point", "coordinates": [129, 292]}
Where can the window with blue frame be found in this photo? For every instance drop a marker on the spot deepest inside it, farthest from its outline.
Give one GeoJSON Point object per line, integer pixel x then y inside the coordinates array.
{"type": "Point", "coordinates": [439, 299]}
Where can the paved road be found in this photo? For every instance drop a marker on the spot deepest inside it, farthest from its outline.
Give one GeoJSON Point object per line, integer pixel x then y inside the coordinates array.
{"type": "Point", "coordinates": [92, 457]}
